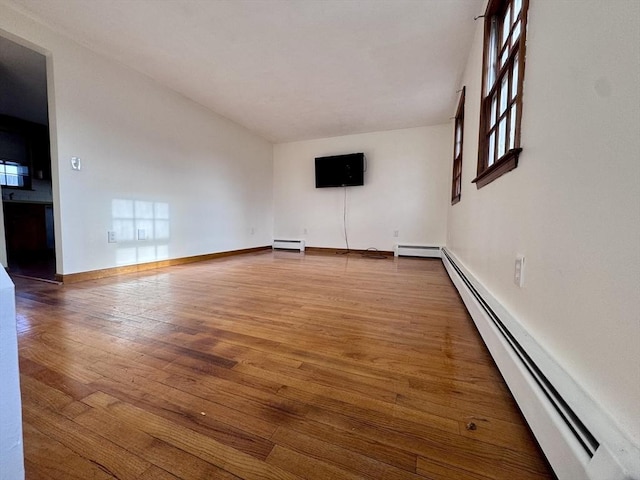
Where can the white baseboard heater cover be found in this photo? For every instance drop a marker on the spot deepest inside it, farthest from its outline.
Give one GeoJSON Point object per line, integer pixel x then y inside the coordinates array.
{"type": "Point", "coordinates": [578, 438]}
{"type": "Point", "coordinates": [288, 245]}
{"type": "Point", "coordinates": [416, 251]}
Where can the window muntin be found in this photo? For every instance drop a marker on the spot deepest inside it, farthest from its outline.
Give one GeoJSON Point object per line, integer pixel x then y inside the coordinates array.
{"type": "Point", "coordinates": [501, 109]}
{"type": "Point", "coordinates": [458, 137]}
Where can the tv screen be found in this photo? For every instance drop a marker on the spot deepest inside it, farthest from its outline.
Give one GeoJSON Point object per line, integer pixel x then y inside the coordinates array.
{"type": "Point", "coordinates": [340, 170]}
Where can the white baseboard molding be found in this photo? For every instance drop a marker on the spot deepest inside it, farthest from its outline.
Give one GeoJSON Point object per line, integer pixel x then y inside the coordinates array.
{"type": "Point", "coordinates": [578, 438]}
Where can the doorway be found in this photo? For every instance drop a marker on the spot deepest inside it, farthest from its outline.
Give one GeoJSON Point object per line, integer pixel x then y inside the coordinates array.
{"type": "Point", "coordinates": [25, 163]}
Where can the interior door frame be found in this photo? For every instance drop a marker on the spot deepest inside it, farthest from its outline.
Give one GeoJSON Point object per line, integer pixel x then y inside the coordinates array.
{"type": "Point", "coordinates": [53, 153]}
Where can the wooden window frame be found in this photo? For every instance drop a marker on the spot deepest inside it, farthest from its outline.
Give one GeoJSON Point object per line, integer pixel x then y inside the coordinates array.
{"type": "Point", "coordinates": [498, 122]}
{"type": "Point", "coordinates": [458, 133]}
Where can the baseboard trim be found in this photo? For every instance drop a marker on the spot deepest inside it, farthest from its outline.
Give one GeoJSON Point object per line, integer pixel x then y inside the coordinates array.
{"type": "Point", "coordinates": [343, 251]}
{"type": "Point", "coordinates": [578, 438]}
{"type": "Point", "coordinates": [141, 267]}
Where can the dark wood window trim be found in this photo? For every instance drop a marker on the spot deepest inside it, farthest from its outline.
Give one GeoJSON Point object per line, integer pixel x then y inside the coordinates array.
{"type": "Point", "coordinates": [502, 89]}
{"type": "Point", "coordinates": [458, 140]}
{"type": "Point", "coordinates": [507, 162]}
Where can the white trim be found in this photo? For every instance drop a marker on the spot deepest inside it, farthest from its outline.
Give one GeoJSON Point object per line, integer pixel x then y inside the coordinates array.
{"type": "Point", "coordinates": [11, 449]}
{"type": "Point", "coordinates": [528, 376]}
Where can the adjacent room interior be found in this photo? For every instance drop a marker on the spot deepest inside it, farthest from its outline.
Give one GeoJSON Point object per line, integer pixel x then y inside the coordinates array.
{"type": "Point", "coordinates": [151, 157]}
{"type": "Point", "coordinates": [25, 168]}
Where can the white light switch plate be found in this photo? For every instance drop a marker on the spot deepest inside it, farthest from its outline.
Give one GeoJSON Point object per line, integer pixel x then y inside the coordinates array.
{"type": "Point", "coordinates": [518, 277]}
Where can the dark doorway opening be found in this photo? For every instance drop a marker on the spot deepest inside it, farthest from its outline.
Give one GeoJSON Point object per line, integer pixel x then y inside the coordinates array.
{"type": "Point", "coordinates": [25, 163]}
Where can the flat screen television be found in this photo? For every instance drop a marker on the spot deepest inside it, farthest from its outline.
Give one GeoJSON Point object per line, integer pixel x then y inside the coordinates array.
{"type": "Point", "coordinates": [340, 170]}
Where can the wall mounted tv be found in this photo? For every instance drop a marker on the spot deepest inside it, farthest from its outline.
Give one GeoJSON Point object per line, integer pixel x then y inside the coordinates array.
{"type": "Point", "coordinates": [340, 170]}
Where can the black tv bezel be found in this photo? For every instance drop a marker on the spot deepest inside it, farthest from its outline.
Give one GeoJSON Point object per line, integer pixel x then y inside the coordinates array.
{"type": "Point", "coordinates": [339, 176]}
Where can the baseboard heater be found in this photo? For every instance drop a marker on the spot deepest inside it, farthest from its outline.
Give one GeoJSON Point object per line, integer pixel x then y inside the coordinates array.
{"type": "Point", "coordinates": [578, 438]}
{"type": "Point", "coordinates": [288, 245]}
{"type": "Point", "coordinates": [416, 251]}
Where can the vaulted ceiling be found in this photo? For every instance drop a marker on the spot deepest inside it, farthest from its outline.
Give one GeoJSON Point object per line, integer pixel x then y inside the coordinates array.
{"type": "Point", "coordinates": [286, 69]}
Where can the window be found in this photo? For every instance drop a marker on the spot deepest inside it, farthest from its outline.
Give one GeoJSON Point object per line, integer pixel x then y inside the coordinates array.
{"type": "Point", "coordinates": [13, 174]}
{"type": "Point", "coordinates": [456, 181]}
{"type": "Point", "coordinates": [14, 156]}
{"type": "Point", "coordinates": [501, 108]}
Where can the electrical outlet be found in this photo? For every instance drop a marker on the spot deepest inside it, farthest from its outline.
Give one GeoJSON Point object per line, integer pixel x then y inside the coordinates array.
{"type": "Point", "coordinates": [518, 277]}
{"type": "Point", "coordinates": [396, 233]}
{"type": "Point", "coordinates": [111, 237]}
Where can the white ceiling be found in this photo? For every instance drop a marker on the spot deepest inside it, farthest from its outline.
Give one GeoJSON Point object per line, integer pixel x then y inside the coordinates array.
{"type": "Point", "coordinates": [287, 69]}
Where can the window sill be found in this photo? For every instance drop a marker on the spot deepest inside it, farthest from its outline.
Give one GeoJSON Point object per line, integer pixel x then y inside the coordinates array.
{"type": "Point", "coordinates": [505, 164]}
{"type": "Point", "coordinates": [11, 187]}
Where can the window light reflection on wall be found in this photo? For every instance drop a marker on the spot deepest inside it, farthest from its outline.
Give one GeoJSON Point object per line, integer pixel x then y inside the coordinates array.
{"type": "Point", "coordinates": [142, 230]}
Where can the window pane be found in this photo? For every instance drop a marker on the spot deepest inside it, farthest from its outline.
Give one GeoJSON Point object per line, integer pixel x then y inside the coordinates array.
{"type": "Point", "coordinates": [517, 5]}
{"type": "Point", "coordinates": [12, 174]}
{"type": "Point", "coordinates": [506, 26]}
{"type": "Point", "coordinates": [504, 56]}
{"type": "Point", "coordinates": [502, 137]}
{"type": "Point", "coordinates": [512, 128]}
{"type": "Point", "coordinates": [514, 81]}
{"type": "Point", "coordinates": [492, 143]}
{"type": "Point", "coordinates": [504, 93]}
{"type": "Point", "coordinates": [516, 34]}
{"type": "Point", "coordinates": [492, 118]}
{"type": "Point", "coordinates": [493, 52]}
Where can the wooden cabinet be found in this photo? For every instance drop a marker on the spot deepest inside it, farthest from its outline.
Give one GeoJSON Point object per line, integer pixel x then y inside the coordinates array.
{"type": "Point", "coordinates": [25, 228]}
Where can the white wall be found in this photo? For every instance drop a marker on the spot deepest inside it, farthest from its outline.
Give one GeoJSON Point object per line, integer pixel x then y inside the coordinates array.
{"type": "Point", "coordinates": [405, 189]}
{"type": "Point", "coordinates": [3, 245]}
{"type": "Point", "coordinates": [144, 147]}
{"type": "Point", "coordinates": [11, 449]}
{"type": "Point", "coordinates": [572, 206]}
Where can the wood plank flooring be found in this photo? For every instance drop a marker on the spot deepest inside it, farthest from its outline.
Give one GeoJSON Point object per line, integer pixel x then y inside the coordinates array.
{"type": "Point", "coordinates": [274, 365]}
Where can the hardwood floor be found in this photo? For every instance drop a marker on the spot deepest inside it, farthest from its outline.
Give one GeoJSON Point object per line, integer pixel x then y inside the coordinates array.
{"type": "Point", "coordinates": [265, 366]}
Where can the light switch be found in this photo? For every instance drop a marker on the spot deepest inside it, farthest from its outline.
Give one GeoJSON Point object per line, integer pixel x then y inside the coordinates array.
{"type": "Point", "coordinates": [518, 277]}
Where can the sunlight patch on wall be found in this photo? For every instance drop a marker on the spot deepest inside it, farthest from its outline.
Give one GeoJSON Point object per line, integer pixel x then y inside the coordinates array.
{"type": "Point", "coordinates": [142, 230]}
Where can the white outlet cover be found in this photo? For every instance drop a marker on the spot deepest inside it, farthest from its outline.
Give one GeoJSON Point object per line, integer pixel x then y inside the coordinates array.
{"type": "Point", "coordinates": [76, 163]}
